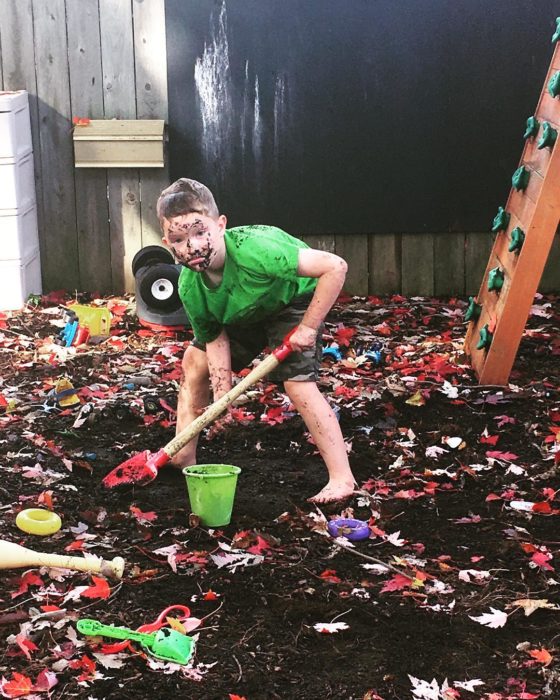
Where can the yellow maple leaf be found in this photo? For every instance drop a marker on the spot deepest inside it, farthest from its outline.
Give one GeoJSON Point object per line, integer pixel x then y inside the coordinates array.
{"type": "Point", "coordinates": [416, 400]}
{"type": "Point", "coordinates": [176, 625]}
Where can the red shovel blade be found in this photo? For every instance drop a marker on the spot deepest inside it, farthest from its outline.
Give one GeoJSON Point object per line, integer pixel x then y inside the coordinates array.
{"type": "Point", "coordinates": [140, 469]}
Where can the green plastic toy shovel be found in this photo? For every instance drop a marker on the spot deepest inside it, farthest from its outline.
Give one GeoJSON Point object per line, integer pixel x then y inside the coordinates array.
{"type": "Point", "coordinates": [165, 644]}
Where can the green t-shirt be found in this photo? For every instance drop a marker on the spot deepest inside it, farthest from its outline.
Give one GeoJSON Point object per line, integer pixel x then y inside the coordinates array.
{"type": "Point", "coordinates": [259, 278]}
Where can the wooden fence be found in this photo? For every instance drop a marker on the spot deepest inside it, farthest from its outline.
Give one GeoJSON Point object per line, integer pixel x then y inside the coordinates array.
{"type": "Point", "coordinates": [101, 59]}
{"type": "Point", "coordinates": [107, 59]}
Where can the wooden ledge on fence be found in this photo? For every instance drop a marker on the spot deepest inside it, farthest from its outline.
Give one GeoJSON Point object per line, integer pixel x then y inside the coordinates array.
{"type": "Point", "coordinates": [119, 143]}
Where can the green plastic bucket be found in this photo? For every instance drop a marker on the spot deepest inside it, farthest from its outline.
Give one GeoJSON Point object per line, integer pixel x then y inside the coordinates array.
{"type": "Point", "coordinates": [211, 489]}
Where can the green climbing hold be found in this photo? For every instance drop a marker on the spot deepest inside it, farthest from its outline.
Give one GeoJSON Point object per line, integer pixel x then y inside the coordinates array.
{"type": "Point", "coordinates": [485, 339]}
{"type": "Point", "coordinates": [532, 128]}
{"type": "Point", "coordinates": [556, 34]}
{"type": "Point", "coordinates": [473, 310]}
{"type": "Point", "coordinates": [501, 220]}
{"type": "Point", "coordinates": [554, 85]}
{"type": "Point", "coordinates": [520, 179]}
{"type": "Point", "coordinates": [548, 138]}
{"type": "Point", "coordinates": [517, 240]}
{"type": "Point", "coordinates": [495, 280]}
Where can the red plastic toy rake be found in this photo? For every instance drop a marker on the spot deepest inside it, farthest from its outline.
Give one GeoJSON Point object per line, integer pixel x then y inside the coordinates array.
{"type": "Point", "coordinates": [143, 467]}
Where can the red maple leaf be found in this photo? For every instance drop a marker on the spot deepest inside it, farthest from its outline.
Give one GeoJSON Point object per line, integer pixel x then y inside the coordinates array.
{"type": "Point", "coordinates": [489, 439]}
{"type": "Point", "coordinates": [26, 645]}
{"type": "Point", "coordinates": [261, 546]}
{"type": "Point", "coordinates": [28, 579]}
{"type": "Point", "coordinates": [343, 335]}
{"type": "Point", "coordinates": [543, 656]}
{"type": "Point", "coordinates": [541, 559]}
{"type": "Point", "coordinates": [542, 507]}
{"type": "Point", "coordinates": [274, 415]}
{"type": "Point", "coordinates": [19, 686]}
{"type": "Point", "coordinates": [397, 583]}
{"type": "Point", "coordinates": [330, 576]}
{"type": "Point", "coordinates": [99, 590]}
{"type": "Point", "coordinates": [210, 595]}
{"type": "Point", "coordinates": [496, 454]}
{"type": "Point", "coordinates": [86, 664]}
{"type": "Point", "coordinates": [346, 391]}
{"type": "Point", "coordinates": [143, 516]}
{"type": "Point", "coordinates": [76, 546]}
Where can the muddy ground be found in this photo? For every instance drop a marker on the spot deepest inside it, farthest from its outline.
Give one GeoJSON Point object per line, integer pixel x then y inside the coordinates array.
{"type": "Point", "coordinates": [453, 595]}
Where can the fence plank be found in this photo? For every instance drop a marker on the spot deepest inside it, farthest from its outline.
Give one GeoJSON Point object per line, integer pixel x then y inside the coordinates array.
{"type": "Point", "coordinates": [418, 264]}
{"type": "Point", "coordinates": [117, 48]}
{"type": "Point", "coordinates": [449, 264]}
{"type": "Point", "coordinates": [60, 262]}
{"type": "Point", "coordinates": [151, 185]}
{"type": "Point", "coordinates": [119, 90]}
{"type": "Point", "coordinates": [384, 263]}
{"type": "Point", "coordinates": [354, 249]}
{"type": "Point", "coordinates": [150, 59]}
{"type": "Point", "coordinates": [150, 55]}
{"type": "Point", "coordinates": [477, 252]}
{"type": "Point", "coordinates": [126, 230]}
{"type": "Point", "coordinates": [18, 68]}
{"type": "Point", "coordinates": [86, 89]}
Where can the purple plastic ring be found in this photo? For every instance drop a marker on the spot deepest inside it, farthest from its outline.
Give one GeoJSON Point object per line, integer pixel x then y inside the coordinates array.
{"type": "Point", "coordinates": [349, 528]}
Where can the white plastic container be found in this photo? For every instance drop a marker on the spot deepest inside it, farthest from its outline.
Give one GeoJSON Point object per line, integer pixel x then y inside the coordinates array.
{"type": "Point", "coordinates": [15, 125]}
{"type": "Point", "coordinates": [17, 183]}
{"type": "Point", "coordinates": [19, 236]}
{"type": "Point", "coordinates": [19, 279]}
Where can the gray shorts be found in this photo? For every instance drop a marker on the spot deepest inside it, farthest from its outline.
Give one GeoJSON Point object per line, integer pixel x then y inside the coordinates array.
{"type": "Point", "coordinates": [246, 342]}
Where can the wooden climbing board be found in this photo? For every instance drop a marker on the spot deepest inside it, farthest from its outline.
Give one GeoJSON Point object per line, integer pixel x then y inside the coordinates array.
{"type": "Point", "coordinates": [529, 219]}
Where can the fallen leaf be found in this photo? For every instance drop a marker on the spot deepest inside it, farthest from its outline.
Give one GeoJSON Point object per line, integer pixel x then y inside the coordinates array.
{"type": "Point", "coordinates": [99, 590]}
{"type": "Point", "coordinates": [45, 681]}
{"type": "Point", "coordinates": [416, 399]}
{"type": "Point", "coordinates": [530, 605]}
{"type": "Point", "coordinates": [543, 656]}
{"type": "Point", "coordinates": [330, 627]}
{"type": "Point", "coordinates": [495, 618]}
{"type": "Point", "coordinates": [19, 686]}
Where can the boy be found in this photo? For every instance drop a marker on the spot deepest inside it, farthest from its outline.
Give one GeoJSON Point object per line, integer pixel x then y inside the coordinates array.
{"type": "Point", "coordinates": [244, 289]}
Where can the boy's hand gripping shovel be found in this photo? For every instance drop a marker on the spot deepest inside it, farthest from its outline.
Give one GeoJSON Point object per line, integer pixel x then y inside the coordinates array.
{"type": "Point", "coordinates": [166, 644]}
{"type": "Point", "coordinates": [143, 467]}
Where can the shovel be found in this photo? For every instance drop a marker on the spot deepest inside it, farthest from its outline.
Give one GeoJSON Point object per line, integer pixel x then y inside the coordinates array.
{"type": "Point", "coordinates": [166, 644]}
{"type": "Point", "coordinates": [143, 467]}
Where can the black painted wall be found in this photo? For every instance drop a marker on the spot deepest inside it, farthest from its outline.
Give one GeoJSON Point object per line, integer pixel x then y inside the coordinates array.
{"type": "Point", "coordinates": [355, 116]}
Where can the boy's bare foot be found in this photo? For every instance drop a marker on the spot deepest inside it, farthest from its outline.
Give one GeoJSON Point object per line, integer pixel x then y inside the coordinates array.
{"type": "Point", "coordinates": [176, 465]}
{"type": "Point", "coordinates": [333, 492]}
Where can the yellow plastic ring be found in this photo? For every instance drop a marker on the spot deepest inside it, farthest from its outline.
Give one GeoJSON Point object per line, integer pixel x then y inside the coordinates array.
{"type": "Point", "coordinates": [38, 521]}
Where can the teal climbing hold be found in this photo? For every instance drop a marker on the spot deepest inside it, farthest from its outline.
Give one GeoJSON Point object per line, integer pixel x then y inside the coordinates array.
{"type": "Point", "coordinates": [556, 34]}
{"type": "Point", "coordinates": [532, 128]}
{"type": "Point", "coordinates": [501, 220]}
{"type": "Point", "coordinates": [520, 179]}
{"type": "Point", "coordinates": [548, 138]}
{"type": "Point", "coordinates": [517, 240]}
{"type": "Point", "coordinates": [473, 310]}
{"type": "Point", "coordinates": [495, 280]}
{"type": "Point", "coordinates": [485, 339]}
{"type": "Point", "coordinates": [554, 85]}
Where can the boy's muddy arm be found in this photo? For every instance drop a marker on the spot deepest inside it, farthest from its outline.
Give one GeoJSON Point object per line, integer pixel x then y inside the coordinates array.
{"type": "Point", "coordinates": [331, 272]}
{"type": "Point", "coordinates": [219, 365]}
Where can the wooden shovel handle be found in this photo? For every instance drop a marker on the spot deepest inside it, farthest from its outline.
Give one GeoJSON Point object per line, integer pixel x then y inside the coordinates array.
{"type": "Point", "coordinates": [214, 410]}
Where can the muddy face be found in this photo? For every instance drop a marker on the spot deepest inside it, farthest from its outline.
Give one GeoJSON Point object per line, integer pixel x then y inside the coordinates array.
{"type": "Point", "coordinates": [194, 244]}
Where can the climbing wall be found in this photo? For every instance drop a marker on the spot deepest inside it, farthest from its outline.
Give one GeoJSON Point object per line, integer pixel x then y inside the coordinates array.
{"type": "Point", "coordinates": [525, 229]}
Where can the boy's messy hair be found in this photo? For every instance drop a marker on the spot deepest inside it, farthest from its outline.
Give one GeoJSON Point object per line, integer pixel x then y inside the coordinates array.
{"type": "Point", "coordinates": [185, 196]}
